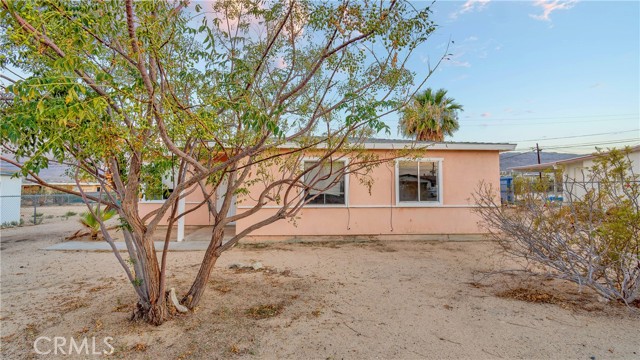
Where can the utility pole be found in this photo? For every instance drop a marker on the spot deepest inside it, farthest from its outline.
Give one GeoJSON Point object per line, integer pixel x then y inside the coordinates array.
{"type": "Point", "coordinates": [538, 151]}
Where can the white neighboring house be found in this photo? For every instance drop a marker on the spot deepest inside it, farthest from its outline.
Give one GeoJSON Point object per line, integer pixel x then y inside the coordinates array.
{"type": "Point", "coordinates": [10, 191]}
{"type": "Point", "coordinates": [576, 170]}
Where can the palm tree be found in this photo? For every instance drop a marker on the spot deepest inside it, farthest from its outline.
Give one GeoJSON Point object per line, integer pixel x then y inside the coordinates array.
{"type": "Point", "coordinates": [430, 116]}
{"type": "Point", "coordinates": [92, 223]}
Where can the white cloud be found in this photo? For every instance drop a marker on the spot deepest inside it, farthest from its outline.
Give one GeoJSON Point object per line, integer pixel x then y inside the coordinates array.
{"type": "Point", "coordinates": [460, 63]}
{"type": "Point", "coordinates": [460, 77]}
{"type": "Point", "coordinates": [456, 60]}
{"type": "Point", "coordinates": [469, 6]}
{"type": "Point", "coordinates": [486, 114]}
{"type": "Point", "coordinates": [549, 6]}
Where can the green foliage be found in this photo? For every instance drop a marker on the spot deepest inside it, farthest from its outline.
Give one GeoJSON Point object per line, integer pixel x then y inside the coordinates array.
{"type": "Point", "coordinates": [548, 182]}
{"type": "Point", "coordinates": [10, 224]}
{"type": "Point", "coordinates": [92, 223]}
{"type": "Point", "coordinates": [129, 95]}
{"type": "Point", "coordinates": [91, 103]}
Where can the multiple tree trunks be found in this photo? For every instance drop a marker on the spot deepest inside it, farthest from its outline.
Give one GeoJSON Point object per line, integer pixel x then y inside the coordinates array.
{"type": "Point", "coordinates": [130, 123]}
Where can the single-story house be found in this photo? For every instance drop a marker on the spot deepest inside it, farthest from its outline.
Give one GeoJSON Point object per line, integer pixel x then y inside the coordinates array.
{"type": "Point", "coordinates": [576, 170]}
{"type": "Point", "coordinates": [426, 194]}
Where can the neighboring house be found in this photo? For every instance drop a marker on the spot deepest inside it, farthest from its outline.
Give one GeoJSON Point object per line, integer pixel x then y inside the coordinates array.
{"type": "Point", "coordinates": [58, 175]}
{"type": "Point", "coordinates": [10, 188]}
{"type": "Point", "coordinates": [33, 188]}
{"type": "Point", "coordinates": [428, 195]}
{"type": "Point", "coordinates": [575, 171]}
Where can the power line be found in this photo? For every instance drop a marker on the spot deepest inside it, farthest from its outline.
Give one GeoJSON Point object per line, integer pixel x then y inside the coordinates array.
{"type": "Point", "coordinates": [561, 117]}
{"type": "Point", "coordinates": [582, 145]}
{"type": "Point", "coordinates": [578, 136]}
{"type": "Point", "coordinates": [516, 155]}
{"type": "Point", "coordinates": [550, 123]}
{"type": "Point", "coordinates": [591, 144]}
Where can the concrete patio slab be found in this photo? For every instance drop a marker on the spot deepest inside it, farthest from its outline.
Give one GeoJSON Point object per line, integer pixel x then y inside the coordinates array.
{"type": "Point", "coordinates": [103, 246]}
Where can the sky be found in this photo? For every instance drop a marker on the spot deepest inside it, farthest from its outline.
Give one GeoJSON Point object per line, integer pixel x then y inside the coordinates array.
{"type": "Point", "coordinates": [535, 71]}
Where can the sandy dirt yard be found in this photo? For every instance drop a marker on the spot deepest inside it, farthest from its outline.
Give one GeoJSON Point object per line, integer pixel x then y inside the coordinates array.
{"type": "Point", "coordinates": [50, 214]}
{"type": "Point", "coordinates": [346, 300]}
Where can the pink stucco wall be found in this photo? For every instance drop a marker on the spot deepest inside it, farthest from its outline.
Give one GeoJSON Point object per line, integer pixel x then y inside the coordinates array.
{"type": "Point", "coordinates": [377, 213]}
{"type": "Point", "coordinates": [197, 217]}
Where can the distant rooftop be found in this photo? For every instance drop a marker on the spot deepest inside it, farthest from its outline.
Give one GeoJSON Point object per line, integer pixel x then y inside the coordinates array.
{"type": "Point", "coordinates": [553, 164]}
{"type": "Point", "coordinates": [7, 168]}
{"type": "Point", "coordinates": [55, 174]}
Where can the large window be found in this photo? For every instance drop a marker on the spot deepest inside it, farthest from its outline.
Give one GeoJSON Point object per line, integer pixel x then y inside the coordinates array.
{"type": "Point", "coordinates": [326, 187]}
{"type": "Point", "coordinates": [419, 182]}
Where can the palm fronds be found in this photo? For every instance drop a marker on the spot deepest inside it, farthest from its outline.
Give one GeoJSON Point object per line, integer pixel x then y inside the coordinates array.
{"type": "Point", "coordinates": [92, 223]}
{"type": "Point", "coordinates": [430, 116]}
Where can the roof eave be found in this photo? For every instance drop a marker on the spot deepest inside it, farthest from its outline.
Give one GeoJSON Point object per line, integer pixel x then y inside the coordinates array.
{"type": "Point", "coordinates": [426, 146]}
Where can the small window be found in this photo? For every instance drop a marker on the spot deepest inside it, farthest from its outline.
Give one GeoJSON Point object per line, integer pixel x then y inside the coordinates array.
{"type": "Point", "coordinates": [418, 181]}
{"type": "Point", "coordinates": [326, 188]}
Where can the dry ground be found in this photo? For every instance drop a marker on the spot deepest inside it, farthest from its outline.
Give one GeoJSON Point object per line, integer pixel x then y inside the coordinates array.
{"type": "Point", "coordinates": [391, 300]}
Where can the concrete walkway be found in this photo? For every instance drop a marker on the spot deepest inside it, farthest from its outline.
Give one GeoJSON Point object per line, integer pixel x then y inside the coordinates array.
{"type": "Point", "coordinates": [199, 240]}
{"type": "Point", "coordinates": [121, 246]}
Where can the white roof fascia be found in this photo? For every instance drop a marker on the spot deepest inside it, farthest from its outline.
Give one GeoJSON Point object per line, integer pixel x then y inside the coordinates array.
{"type": "Point", "coordinates": [432, 146]}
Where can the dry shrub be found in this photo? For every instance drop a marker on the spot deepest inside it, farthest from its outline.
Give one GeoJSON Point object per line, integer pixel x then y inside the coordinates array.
{"type": "Point", "coordinates": [71, 305]}
{"type": "Point", "coordinates": [592, 238]}
{"type": "Point", "coordinates": [123, 308]}
{"type": "Point", "coordinates": [530, 295]}
{"type": "Point", "coordinates": [264, 311]}
{"type": "Point", "coordinates": [140, 347]}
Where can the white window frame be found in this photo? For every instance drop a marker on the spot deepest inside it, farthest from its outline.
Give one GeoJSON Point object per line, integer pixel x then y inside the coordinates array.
{"type": "Point", "coordinates": [396, 174]}
{"type": "Point", "coordinates": [346, 185]}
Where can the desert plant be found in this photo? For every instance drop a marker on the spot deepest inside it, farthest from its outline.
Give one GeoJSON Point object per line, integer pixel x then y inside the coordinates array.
{"type": "Point", "coordinates": [92, 223]}
{"type": "Point", "coordinates": [592, 238]}
{"type": "Point", "coordinates": [9, 224]}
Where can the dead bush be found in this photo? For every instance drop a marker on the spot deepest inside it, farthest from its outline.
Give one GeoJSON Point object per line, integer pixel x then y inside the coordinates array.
{"type": "Point", "coordinates": [592, 238]}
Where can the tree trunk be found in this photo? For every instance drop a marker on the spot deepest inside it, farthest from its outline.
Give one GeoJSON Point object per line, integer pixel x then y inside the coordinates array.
{"type": "Point", "coordinates": [153, 314]}
{"type": "Point", "coordinates": [194, 295]}
{"type": "Point", "coordinates": [152, 308]}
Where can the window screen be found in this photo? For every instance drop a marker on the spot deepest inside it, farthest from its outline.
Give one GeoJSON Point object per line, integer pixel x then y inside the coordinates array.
{"type": "Point", "coordinates": [418, 181]}
{"type": "Point", "coordinates": [325, 186]}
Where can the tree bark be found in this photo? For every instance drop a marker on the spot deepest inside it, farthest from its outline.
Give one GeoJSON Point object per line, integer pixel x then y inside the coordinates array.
{"type": "Point", "coordinates": [153, 309]}
{"type": "Point", "coordinates": [211, 256]}
{"type": "Point", "coordinates": [154, 314]}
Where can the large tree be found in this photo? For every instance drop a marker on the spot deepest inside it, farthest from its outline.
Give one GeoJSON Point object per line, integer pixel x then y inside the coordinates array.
{"type": "Point", "coordinates": [430, 116]}
{"type": "Point", "coordinates": [126, 93]}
